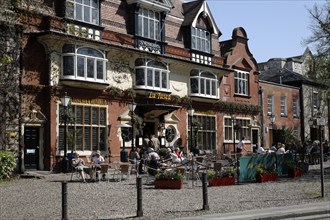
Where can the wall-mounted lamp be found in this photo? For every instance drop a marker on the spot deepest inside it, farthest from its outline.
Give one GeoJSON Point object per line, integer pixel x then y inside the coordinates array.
{"type": "Point", "coordinates": [272, 119]}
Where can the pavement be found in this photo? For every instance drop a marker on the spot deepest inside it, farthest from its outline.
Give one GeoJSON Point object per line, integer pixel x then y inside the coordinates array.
{"type": "Point", "coordinates": [319, 210]}
{"type": "Point", "coordinates": [306, 211]}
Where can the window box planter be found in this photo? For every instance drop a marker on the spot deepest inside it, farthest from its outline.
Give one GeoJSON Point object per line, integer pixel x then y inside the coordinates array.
{"type": "Point", "coordinates": [168, 184]}
{"type": "Point", "coordinates": [222, 181]}
{"type": "Point", "coordinates": [295, 172]}
{"type": "Point", "coordinates": [267, 177]}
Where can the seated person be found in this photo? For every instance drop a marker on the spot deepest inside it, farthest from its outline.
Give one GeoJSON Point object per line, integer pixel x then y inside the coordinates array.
{"type": "Point", "coordinates": [153, 166]}
{"type": "Point", "coordinates": [151, 152]}
{"type": "Point", "coordinates": [177, 152]}
{"type": "Point", "coordinates": [260, 150]}
{"type": "Point", "coordinates": [134, 155]}
{"type": "Point", "coordinates": [281, 149]}
{"type": "Point", "coordinates": [175, 158]}
{"type": "Point", "coordinates": [80, 166]}
{"type": "Point", "coordinates": [97, 161]}
{"type": "Point", "coordinates": [273, 148]}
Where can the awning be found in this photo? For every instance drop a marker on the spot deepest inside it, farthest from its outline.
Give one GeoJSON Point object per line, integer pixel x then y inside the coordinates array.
{"type": "Point", "coordinates": [152, 111]}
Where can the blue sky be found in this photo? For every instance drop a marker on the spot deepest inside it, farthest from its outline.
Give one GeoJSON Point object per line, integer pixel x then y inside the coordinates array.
{"type": "Point", "coordinates": [275, 29]}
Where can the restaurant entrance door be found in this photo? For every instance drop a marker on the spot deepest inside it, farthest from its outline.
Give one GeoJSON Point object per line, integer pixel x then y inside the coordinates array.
{"type": "Point", "coordinates": [31, 149]}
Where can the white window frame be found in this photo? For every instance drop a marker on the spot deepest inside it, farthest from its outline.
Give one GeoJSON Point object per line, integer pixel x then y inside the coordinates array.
{"type": "Point", "coordinates": [270, 104]}
{"type": "Point", "coordinates": [241, 83]}
{"type": "Point", "coordinates": [228, 129]}
{"type": "Point", "coordinates": [153, 71]}
{"type": "Point", "coordinates": [78, 10]}
{"type": "Point", "coordinates": [95, 142]}
{"type": "Point", "coordinates": [283, 106]}
{"type": "Point", "coordinates": [316, 100]}
{"type": "Point", "coordinates": [295, 108]}
{"type": "Point", "coordinates": [204, 135]}
{"type": "Point", "coordinates": [87, 60]}
{"type": "Point", "coordinates": [200, 40]}
{"type": "Point", "coordinates": [153, 19]}
{"type": "Point", "coordinates": [245, 129]}
{"type": "Point", "coordinates": [204, 82]}
{"type": "Point", "coordinates": [296, 132]}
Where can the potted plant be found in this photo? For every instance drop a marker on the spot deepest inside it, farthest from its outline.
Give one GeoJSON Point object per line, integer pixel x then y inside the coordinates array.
{"type": "Point", "coordinates": [168, 180]}
{"type": "Point", "coordinates": [224, 178]}
{"type": "Point", "coordinates": [293, 170]}
{"type": "Point", "coordinates": [265, 174]}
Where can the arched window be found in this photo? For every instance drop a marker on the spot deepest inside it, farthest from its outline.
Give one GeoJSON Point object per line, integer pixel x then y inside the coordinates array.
{"type": "Point", "coordinates": [203, 84]}
{"type": "Point", "coordinates": [151, 74]}
{"type": "Point", "coordinates": [83, 63]}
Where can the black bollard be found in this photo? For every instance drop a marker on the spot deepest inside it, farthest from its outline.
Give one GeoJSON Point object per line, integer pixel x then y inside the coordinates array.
{"type": "Point", "coordinates": [205, 196]}
{"type": "Point", "coordinates": [64, 201]}
{"type": "Point", "coordinates": [139, 212]}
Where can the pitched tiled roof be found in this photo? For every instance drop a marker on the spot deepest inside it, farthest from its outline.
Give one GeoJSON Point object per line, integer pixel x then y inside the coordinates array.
{"type": "Point", "coordinates": [190, 10]}
{"type": "Point", "coordinates": [287, 77]}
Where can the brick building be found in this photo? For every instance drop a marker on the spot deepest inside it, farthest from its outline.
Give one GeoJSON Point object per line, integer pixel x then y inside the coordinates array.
{"type": "Point", "coordinates": [293, 71]}
{"type": "Point", "coordinates": [165, 56]}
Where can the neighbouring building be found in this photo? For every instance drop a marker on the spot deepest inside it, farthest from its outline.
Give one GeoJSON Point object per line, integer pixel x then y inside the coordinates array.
{"type": "Point", "coordinates": [312, 102]}
{"type": "Point", "coordinates": [280, 111]}
{"type": "Point", "coordinates": [164, 56]}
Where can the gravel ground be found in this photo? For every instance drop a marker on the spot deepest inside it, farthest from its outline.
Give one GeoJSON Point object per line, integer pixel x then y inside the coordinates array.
{"type": "Point", "coordinates": [36, 198]}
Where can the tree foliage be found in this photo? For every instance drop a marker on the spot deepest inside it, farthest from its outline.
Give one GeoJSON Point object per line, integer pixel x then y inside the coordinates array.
{"type": "Point", "coordinates": [320, 39]}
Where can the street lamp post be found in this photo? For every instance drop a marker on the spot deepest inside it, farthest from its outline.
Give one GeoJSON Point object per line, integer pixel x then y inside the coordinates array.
{"type": "Point", "coordinates": [272, 121]}
{"type": "Point", "coordinates": [319, 121]}
{"type": "Point", "coordinates": [233, 120]}
{"type": "Point", "coordinates": [65, 102]}
{"type": "Point", "coordinates": [191, 112]}
{"type": "Point", "coordinates": [132, 107]}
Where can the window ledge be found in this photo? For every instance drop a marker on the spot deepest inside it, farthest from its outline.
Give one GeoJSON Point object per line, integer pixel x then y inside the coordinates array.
{"type": "Point", "coordinates": [242, 96]}
{"type": "Point", "coordinates": [203, 96]}
{"type": "Point", "coordinates": [202, 52]}
{"type": "Point", "coordinates": [84, 83]}
{"type": "Point", "coordinates": [85, 24]}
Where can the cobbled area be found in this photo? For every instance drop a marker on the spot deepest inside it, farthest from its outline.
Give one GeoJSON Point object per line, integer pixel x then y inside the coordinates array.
{"type": "Point", "coordinates": [40, 198]}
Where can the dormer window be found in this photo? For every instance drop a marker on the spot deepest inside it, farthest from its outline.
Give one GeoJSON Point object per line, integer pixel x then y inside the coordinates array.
{"type": "Point", "coordinates": [83, 10]}
{"type": "Point", "coordinates": [149, 24]}
{"type": "Point", "coordinates": [200, 36]}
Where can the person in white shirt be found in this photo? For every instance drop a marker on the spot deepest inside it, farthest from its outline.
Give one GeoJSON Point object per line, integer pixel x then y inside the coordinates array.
{"type": "Point", "coordinates": [80, 166]}
{"type": "Point", "coordinates": [260, 150]}
{"type": "Point", "coordinates": [151, 153]}
{"type": "Point", "coordinates": [241, 146]}
{"type": "Point", "coordinates": [281, 150]}
{"type": "Point", "coordinates": [98, 159]}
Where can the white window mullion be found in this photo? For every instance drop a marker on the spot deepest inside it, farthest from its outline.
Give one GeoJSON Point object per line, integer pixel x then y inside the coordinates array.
{"type": "Point", "coordinates": [85, 68]}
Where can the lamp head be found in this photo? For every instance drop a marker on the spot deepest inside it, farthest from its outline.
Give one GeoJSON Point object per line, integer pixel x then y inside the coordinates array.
{"type": "Point", "coordinates": [132, 106]}
{"type": "Point", "coordinates": [65, 100]}
{"type": "Point", "coordinates": [272, 118]}
{"type": "Point", "coordinates": [311, 122]}
{"type": "Point", "coordinates": [191, 111]}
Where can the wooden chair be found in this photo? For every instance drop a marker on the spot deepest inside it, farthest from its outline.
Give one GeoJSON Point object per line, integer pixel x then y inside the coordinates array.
{"type": "Point", "coordinates": [104, 171]}
{"type": "Point", "coordinates": [124, 169]}
{"type": "Point", "coordinates": [217, 167]}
